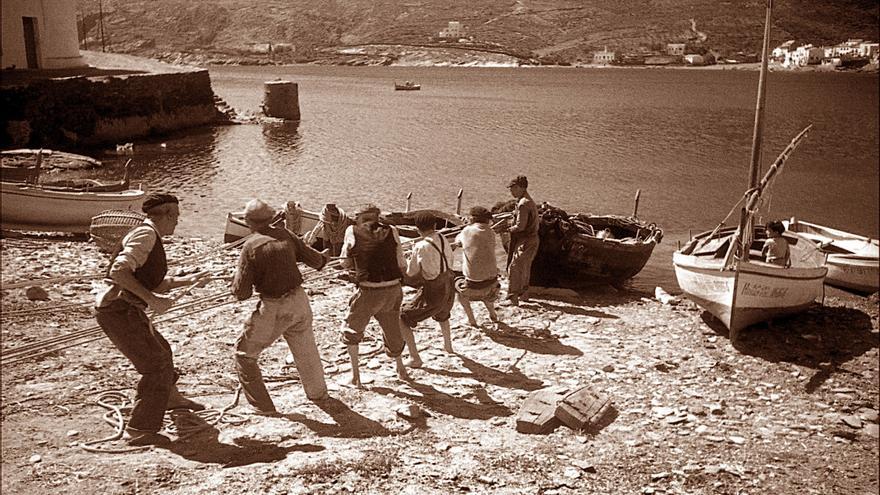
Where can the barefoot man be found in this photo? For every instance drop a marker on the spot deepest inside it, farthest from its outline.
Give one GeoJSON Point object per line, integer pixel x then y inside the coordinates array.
{"type": "Point", "coordinates": [372, 252]}
{"type": "Point", "coordinates": [480, 281]}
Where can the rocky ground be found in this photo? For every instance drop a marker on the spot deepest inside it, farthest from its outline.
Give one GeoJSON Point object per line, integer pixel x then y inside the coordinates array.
{"type": "Point", "coordinates": [793, 409]}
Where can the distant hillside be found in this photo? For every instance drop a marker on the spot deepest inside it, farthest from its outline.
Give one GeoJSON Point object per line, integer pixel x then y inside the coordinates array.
{"type": "Point", "coordinates": [549, 30]}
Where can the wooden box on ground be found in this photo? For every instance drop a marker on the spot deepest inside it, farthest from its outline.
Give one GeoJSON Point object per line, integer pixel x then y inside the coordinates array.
{"type": "Point", "coordinates": [538, 413]}
{"type": "Point", "coordinates": [585, 409]}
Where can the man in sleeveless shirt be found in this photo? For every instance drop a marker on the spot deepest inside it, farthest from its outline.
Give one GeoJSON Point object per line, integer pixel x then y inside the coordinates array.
{"type": "Point", "coordinates": [373, 254]}
{"type": "Point", "coordinates": [137, 273]}
{"type": "Point", "coordinates": [524, 240]}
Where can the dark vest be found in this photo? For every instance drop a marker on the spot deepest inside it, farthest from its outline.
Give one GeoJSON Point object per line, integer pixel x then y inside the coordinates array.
{"type": "Point", "coordinates": [153, 271]}
{"type": "Point", "coordinates": [375, 253]}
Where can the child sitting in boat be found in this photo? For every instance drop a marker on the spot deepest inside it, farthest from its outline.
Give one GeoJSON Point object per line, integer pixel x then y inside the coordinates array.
{"type": "Point", "coordinates": [775, 248]}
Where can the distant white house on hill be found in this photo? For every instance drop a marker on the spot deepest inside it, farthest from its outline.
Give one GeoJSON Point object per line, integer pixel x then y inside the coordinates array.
{"type": "Point", "coordinates": [603, 57]}
{"type": "Point", "coordinates": [453, 30]}
{"type": "Point", "coordinates": [39, 35]}
{"type": "Point", "coordinates": [675, 49]}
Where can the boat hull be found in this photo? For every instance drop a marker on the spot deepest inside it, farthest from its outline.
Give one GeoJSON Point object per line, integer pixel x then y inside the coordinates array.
{"type": "Point", "coordinates": [236, 227]}
{"type": "Point", "coordinates": [25, 207]}
{"type": "Point", "coordinates": [853, 260]}
{"type": "Point", "coordinates": [751, 292]}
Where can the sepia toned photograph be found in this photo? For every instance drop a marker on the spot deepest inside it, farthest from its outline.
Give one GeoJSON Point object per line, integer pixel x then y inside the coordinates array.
{"type": "Point", "coordinates": [420, 247]}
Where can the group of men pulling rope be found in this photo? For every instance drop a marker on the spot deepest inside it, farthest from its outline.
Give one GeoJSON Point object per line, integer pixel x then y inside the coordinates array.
{"type": "Point", "coordinates": [370, 250]}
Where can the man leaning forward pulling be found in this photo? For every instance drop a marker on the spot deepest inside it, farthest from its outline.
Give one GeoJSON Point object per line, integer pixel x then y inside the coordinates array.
{"type": "Point", "coordinates": [268, 264]}
{"type": "Point", "coordinates": [137, 271]}
{"type": "Point", "coordinates": [373, 254]}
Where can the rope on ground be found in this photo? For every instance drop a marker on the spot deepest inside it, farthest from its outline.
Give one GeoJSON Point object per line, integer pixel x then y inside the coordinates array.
{"type": "Point", "coordinates": [179, 422]}
{"type": "Point", "coordinates": [31, 312]}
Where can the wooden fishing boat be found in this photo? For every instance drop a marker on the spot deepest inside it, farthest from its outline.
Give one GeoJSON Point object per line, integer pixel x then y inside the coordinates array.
{"type": "Point", "coordinates": [722, 272]}
{"type": "Point", "coordinates": [30, 207]}
{"type": "Point", "coordinates": [852, 259]}
{"type": "Point", "coordinates": [407, 86]}
{"type": "Point", "coordinates": [26, 158]}
{"type": "Point", "coordinates": [581, 250]}
{"type": "Point", "coordinates": [305, 220]}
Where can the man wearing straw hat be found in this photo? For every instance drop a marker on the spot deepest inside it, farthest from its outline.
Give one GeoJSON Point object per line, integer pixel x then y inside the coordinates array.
{"type": "Point", "coordinates": [268, 263]}
{"type": "Point", "coordinates": [373, 253]}
{"type": "Point", "coordinates": [137, 271]}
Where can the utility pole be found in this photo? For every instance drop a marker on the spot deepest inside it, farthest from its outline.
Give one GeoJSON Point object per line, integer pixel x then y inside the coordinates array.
{"type": "Point", "coordinates": [101, 24]}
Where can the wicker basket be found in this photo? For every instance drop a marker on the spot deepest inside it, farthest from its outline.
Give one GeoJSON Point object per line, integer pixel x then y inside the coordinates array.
{"type": "Point", "coordinates": [109, 227]}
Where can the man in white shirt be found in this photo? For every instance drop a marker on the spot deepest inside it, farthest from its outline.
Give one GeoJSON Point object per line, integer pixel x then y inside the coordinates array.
{"type": "Point", "coordinates": [480, 281]}
{"type": "Point", "coordinates": [430, 268]}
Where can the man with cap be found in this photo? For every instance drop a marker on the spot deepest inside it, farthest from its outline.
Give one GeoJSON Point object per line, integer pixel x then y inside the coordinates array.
{"type": "Point", "coordinates": [268, 263]}
{"type": "Point", "coordinates": [430, 263]}
{"type": "Point", "coordinates": [374, 256]}
{"type": "Point", "coordinates": [524, 240]}
{"type": "Point", "coordinates": [137, 272]}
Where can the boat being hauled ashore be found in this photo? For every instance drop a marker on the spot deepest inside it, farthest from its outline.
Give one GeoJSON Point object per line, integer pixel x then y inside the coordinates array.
{"type": "Point", "coordinates": [723, 272]}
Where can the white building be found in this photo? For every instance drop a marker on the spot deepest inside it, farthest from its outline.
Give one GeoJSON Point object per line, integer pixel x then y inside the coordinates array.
{"type": "Point", "coordinates": [39, 35]}
{"type": "Point", "coordinates": [694, 59]}
{"type": "Point", "coordinates": [453, 30]}
{"type": "Point", "coordinates": [603, 57]}
{"type": "Point", "coordinates": [804, 55]}
{"type": "Point", "coordinates": [868, 49]}
{"type": "Point", "coordinates": [675, 49]}
{"type": "Point", "coordinates": [779, 52]}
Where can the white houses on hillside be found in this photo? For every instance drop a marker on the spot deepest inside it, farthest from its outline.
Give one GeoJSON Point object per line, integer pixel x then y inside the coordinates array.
{"type": "Point", "coordinates": [804, 55]}
{"type": "Point", "coordinates": [39, 35]}
{"type": "Point", "coordinates": [675, 49]}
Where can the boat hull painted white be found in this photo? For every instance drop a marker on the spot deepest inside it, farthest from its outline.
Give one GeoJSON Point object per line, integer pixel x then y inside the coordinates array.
{"type": "Point", "coordinates": [856, 273]}
{"type": "Point", "coordinates": [33, 208]}
{"type": "Point", "coordinates": [236, 228]}
{"type": "Point", "coordinates": [751, 293]}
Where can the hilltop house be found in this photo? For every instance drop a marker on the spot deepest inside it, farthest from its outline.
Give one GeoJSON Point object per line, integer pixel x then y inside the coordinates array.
{"type": "Point", "coordinates": [675, 49]}
{"type": "Point", "coordinates": [603, 57]}
{"type": "Point", "coordinates": [453, 30]}
{"type": "Point", "coordinates": [39, 35]}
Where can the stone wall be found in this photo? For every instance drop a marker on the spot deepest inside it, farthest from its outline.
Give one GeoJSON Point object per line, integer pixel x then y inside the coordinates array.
{"type": "Point", "coordinates": [85, 111]}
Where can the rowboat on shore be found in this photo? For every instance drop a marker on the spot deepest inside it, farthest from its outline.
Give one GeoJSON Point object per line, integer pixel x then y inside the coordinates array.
{"type": "Point", "coordinates": [852, 259]}
{"type": "Point", "coordinates": [581, 250]}
{"type": "Point", "coordinates": [26, 166]}
{"type": "Point", "coordinates": [723, 271]}
{"type": "Point", "coordinates": [407, 86]}
{"type": "Point", "coordinates": [32, 207]}
{"type": "Point", "coordinates": [300, 221]}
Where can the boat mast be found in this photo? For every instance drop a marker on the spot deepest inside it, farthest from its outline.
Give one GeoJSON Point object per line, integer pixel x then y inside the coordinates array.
{"type": "Point", "coordinates": [746, 225]}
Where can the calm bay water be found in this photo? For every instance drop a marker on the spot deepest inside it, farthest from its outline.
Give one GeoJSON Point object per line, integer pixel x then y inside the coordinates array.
{"type": "Point", "coordinates": [586, 138]}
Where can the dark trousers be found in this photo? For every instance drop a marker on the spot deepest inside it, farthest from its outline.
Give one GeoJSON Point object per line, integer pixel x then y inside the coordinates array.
{"type": "Point", "coordinates": [131, 332]}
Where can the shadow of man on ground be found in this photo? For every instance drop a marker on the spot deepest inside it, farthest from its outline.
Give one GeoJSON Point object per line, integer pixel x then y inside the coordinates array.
{"type": "Point", "coordinates": [347, 423]}
{"type": "Point", "coordinates": [823, 338]}
{"type": "Point", "coordinates": [539, 341]}
{"type": "Point", "coordinates": [205, 447]}
{"type": "Point", "coordinates": [512, 379]}
{"type": "Point", "coordinates": [435, 400]}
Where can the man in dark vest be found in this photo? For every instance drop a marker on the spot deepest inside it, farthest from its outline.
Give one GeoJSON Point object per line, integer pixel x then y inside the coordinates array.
{"type": "Point", "coordinates": [268, 265]}
{"type": "Point", "coordinates": [373, 254]}
{"type": "Point", "coordinates": [137, 273]}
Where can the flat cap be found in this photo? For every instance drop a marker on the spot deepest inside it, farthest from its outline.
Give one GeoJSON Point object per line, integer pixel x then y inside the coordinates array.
{"type": "Point", "coordinates": [157, 199]}
{"type": "Point", "coordinates": [257, 211]}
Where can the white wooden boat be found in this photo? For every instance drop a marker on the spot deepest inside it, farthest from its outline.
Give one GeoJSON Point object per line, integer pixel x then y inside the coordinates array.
{"type": "Point", "coordinates": [236, 227]}
{"type": "Point", "coordinates": [722, 272]}
{"type": "Point", "coordinates": [852, 259]}
{"type": "Point", "coordinates": [750, 291]}
{"type": "Point", "coordinates": [29, 207]}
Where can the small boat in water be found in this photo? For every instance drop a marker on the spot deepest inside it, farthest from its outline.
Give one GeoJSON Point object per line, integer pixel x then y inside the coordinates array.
{"type": "Point", "coordinates": [581, 250]}
{"type": "Point", "coordinates": [723, 270]}
{"type": "Point", "coordinates": [407, 86]}
{"type": "Point", "coordinates": [852, 259]}
{"type": "Point", "coordinates": [32, 207]}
